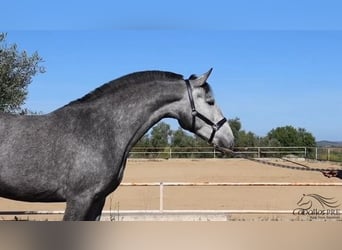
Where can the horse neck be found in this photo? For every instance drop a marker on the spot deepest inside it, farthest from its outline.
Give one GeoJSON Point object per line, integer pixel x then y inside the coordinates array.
{"type": "Point", "coordinates": [153, 103]}
{"type": "Point", "coordinates": [126, 114]}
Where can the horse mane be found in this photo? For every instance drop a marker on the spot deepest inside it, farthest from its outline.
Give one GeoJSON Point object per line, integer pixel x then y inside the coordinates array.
{"type": "Point", "coordinates": [132, 78]}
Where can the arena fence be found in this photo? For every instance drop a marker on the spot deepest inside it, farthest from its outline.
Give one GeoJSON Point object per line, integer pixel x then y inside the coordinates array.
{"type": "Point", "coordinates": [211, 215]}
{"type": "Point", "coordinates": [224, 184]}
{"type": "Point", "coordinates": [316, 153]}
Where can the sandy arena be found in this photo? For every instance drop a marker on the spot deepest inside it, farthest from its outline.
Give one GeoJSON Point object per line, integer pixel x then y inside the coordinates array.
{"type": "Point", "coordinates": [204, 198]}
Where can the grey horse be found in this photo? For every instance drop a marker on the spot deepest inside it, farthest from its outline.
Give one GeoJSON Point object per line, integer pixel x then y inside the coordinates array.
{"type": "Point", "coordinates": [77, 154]}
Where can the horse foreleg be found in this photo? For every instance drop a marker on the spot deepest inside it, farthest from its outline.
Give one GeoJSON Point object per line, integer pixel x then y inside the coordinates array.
{"type": "Point", "coordinates": [80, 208]}
{"type": "Point", "coordinates": [76, 210]}
{"type": "Point", "coordinates": [95, 210]}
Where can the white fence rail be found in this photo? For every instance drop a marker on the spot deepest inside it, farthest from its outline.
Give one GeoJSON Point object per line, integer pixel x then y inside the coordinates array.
{"type": "Point", "coordinates": [317, 153]}
{"type": "Point", "coordinates": [211, 152]}
{"type": "Point", "coordinates": [224, 184]}
{"type": "Point", "coordinates": [213, 214]}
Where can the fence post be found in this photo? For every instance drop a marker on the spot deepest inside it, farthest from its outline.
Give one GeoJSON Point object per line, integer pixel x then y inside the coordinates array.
{"type": "Point", "coordinates": [161, 197]}
{"type": "Point", "coordinates": [214, 152]}
{"type": "Point", "coordinates": [170, 153]}
{"type": "Point", "coordinates": [316, 153]}
{"type": "Point", "coordinates": [328, 154]}
{"type": "Point", "coordinates": [259, 152]}
{"type": "Point", "coordinates": [305, 153]}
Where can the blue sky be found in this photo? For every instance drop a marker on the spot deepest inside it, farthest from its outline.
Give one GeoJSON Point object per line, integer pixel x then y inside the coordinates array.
{"type": "Point", "coordinates": [275, 63]}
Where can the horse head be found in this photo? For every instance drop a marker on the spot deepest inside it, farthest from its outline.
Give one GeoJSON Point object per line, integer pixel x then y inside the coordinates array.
{"type": "Point", "coordinates": [202, 114]}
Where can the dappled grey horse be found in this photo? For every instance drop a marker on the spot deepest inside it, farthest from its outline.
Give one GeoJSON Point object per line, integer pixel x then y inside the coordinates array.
{"type": "Point", "coordinates": [78, 153]}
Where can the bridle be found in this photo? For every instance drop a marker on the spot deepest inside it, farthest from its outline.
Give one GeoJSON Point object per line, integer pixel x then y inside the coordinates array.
{"type": "Point", "coordinates": [215, 126]}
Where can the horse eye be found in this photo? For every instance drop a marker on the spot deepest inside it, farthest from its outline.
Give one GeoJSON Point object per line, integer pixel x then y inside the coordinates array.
{"type": "Point", "coordinates": [210, 101]}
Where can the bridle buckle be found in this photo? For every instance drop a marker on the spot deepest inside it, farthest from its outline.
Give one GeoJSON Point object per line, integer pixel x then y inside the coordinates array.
{"type": "Point", "coordinates": [215, 127]}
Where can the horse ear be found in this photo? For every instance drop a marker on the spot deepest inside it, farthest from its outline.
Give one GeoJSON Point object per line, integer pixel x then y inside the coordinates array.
{"type": "Point", "coordinates": [198, 81]}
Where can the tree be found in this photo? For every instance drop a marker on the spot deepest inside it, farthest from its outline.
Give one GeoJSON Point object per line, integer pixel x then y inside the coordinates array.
{"type": "Point", "coordinates": [181, 139]}
{"type": "Point", "coordinates": [246, 139]}
{"type": "Point", "coordinates": [242, 138]}
{"type": "Point", "coordinates": [16, 72]}
{"type": "Point", "coordinates": [305, 138]}
{"type": "Point", "coordinates": [235, 125]}
{"type": "Point", "coordinates": [160, 135]}
{"type": "Point", "coordinates": [289, 136]}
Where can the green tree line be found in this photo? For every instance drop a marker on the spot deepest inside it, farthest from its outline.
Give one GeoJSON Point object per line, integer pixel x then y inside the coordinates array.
{"type": "Point", "coordinates": [162, 137]}
{"type": "Point", "coordinates": [285, 136]}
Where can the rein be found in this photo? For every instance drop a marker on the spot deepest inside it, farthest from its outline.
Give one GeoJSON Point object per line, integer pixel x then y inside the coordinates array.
{"type": "Point", "coordinates": [299, 166]}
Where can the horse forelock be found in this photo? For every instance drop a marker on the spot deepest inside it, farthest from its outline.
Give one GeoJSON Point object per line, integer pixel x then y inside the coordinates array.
{"type": "Point", "coordinates": [134, 78]}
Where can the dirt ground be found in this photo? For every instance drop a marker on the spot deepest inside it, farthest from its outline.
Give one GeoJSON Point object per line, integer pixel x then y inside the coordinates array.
{"type": "Point", "coordinates": [205, 198]}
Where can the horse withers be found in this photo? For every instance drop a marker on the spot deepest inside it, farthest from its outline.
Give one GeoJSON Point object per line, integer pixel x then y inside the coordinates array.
{"type": "Point", "coordinates": [77, 154]}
